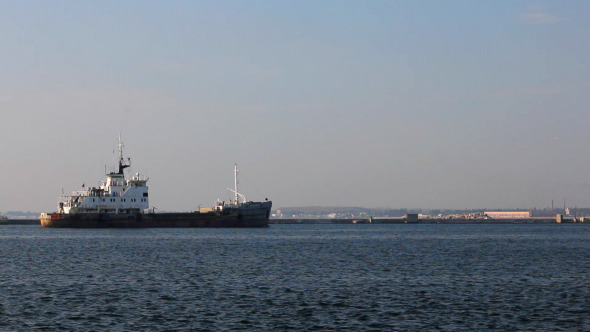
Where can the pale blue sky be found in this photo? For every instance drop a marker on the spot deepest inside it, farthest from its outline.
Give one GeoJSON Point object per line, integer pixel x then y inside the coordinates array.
{"type": "Point", "coordinates": [417, 104]}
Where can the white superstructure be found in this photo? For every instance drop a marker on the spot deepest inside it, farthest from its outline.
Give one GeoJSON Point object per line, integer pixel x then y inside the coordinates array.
{"type": "Point", "coordinates": [118, 194]}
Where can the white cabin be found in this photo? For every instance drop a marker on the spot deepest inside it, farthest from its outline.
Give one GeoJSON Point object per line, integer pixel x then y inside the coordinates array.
{"type": "Point", "coordinates": [118, 194]}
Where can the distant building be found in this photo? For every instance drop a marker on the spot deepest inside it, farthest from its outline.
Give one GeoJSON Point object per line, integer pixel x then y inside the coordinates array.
{"type": "Point", "coordinates": [508, 214]}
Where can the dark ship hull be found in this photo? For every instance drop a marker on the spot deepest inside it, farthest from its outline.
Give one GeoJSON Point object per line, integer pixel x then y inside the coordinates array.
{"type": "Point", "coordinates": [251, 214]}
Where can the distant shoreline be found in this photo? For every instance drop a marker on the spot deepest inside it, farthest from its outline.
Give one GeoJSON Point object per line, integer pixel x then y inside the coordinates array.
{"type": "Point", "coordinates": [368, 221]}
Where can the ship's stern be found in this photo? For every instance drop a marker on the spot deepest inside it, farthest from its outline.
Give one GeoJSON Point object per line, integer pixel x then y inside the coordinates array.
{"type": "Point", "coordinates": [49, 219]}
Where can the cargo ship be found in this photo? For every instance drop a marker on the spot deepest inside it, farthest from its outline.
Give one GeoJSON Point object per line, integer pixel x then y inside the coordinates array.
{"type": "Point", "coordinates": [123, 202]}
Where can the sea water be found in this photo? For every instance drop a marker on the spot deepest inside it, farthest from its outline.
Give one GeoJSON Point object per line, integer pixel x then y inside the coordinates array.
{"type": "Point", "coordinates": [297, 277]}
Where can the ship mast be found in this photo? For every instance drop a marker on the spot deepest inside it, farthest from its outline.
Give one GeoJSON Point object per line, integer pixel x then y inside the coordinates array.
{"type": "Point", "coordinates": [236, 183]}
{"type": "Point", "coordinates": [122, 164]}
{"type": "Point", "coordinates": [237, 195]}
{"type": "Point", "coordinates": [120, 146]}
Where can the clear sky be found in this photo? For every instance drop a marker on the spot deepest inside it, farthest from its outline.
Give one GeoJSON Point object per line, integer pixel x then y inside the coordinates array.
{"type": "Point", "coordinates": [416, 104]}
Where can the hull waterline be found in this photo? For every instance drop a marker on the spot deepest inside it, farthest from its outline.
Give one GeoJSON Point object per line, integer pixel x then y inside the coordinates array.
{"type": "Point", "coordinates": [242, 217]}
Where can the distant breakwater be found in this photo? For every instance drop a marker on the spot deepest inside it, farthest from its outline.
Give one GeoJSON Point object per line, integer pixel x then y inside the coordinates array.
{"type": "Point", "coordinates": [20, 222]}
{"type": "Point", "coordinates": [419, 221]}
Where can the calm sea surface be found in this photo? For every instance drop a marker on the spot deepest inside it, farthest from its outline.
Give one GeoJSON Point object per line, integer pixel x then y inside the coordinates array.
{"type": "Point", "coordinates": [297, 277]}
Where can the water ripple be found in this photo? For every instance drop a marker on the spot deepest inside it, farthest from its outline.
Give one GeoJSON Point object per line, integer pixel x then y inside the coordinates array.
{"type": "Point", "coordinates": [297, 277]}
